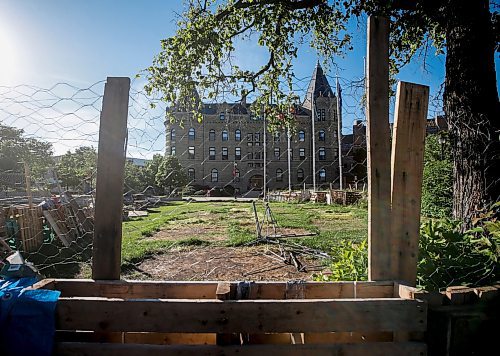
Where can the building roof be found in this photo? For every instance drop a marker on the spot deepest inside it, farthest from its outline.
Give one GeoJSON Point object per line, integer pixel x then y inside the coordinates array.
{"type": "Point", "coordinates": [318, 87]}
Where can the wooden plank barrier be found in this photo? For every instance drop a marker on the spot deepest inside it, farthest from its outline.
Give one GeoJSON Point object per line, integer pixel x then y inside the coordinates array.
{"type": "Point", "coordinates": [137, 317]}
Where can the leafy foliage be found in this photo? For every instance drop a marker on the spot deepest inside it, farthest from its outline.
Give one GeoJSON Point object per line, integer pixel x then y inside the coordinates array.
{"type": "Point", "coordinates": [76, 167]}
{"type": "Point", "coordinates": [448, 256]}
{"type": "Point", "coordinates": [350, 262]}
{"type": "Point", "coordinates": [198, 58]}
{"type": "Point", "coordinates": [170, 174]}
{"type": "Point", "coordinates": [437, 184]}
{"type": "Point", "coordinates": [16, 148]}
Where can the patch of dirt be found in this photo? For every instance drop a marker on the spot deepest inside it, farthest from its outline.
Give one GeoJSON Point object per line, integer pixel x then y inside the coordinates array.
{"type": "Point", "coordinates": [254, 263]}
{"type": "Point", "coordinates": [214, 232]}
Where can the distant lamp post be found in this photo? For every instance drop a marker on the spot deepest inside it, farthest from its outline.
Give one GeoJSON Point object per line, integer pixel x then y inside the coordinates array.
{"type": "Point", "coordinates": [442, 141]}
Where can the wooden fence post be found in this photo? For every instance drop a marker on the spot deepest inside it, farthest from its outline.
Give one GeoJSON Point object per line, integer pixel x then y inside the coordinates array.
{"type": "Point", "coordinates": [380, 242]}
{"type": "Point", "coordinates": [407, 169]}
{"type": "Point", "coordinates": [106, 253]}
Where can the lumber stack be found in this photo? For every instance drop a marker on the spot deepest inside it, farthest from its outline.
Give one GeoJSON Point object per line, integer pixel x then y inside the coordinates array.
{"type": "Point", "coordinates": [27, 226]}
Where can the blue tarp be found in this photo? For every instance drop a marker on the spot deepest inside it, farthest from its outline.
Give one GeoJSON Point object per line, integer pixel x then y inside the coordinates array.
{"type": "Point", "coordinates": [27, 322]}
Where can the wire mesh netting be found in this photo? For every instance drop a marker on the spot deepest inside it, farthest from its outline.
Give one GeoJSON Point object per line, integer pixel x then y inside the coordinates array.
{"type": "Point", "coordinates": [174, 170]}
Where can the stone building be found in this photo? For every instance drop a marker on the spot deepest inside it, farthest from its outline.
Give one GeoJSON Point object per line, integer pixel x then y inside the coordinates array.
{"type": "Point", "coordinates": [227, 147]}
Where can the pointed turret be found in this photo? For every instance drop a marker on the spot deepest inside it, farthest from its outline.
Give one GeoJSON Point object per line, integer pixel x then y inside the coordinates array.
{"type": "Point", "coordinates": [318, 86]}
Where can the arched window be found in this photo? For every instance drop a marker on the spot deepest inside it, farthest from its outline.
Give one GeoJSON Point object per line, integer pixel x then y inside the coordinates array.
{"type": "Point", "coordinates": [191, 174]}
{"type": "Point", "coordinates": [214, 175]}
{"type": "Point", "coordinates": [211, 135]}
{"type": "Point", "coordinates": [279, 175]}
{"type": "Point", "coordinates": [302, 135]}
{"type": "Point", "coordinates": [300, 174]}
{"type": "Point", "coordinates": [237, 135]}
{"type": "Point", "coordinates": [321, 135]}
{"type": "Point", "coordinates": [322, 175]}
{"type": "Point", "coordinates": [225, 135]}
{"type": "Point", "coordinates": [191, 134]}
{"type": "Point", "coordinates": [172, 135]}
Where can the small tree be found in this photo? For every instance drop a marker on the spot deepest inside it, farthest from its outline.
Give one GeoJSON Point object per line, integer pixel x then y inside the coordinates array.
{"type": "Point", "coordinates": [170, 174]}
{"type": "Point", "coordinates": [74, 168]}
{"type": "Point", "coordinates": [150, 171]}
{"type": "Point", "coordinates": [15, 148]}
{"type": "Point", "coordinates": [134, 178]}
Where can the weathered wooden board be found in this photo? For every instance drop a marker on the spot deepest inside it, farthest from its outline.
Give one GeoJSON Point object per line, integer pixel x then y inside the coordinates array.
{"type": "Point", "coordinates": [372, 349]}
{"type": "Point", "coordinates": [245, 316]}
{"type": "Point", "coordinates": [207, 290]}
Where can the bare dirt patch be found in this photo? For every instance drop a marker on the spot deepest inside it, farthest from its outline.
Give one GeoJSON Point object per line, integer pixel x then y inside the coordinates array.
{"type": "Point", "coordinates": [222, 263]}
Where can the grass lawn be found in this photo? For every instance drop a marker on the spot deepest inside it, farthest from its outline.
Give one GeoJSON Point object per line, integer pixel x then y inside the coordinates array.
{"type": "Point", "coordinates": [232, 224]}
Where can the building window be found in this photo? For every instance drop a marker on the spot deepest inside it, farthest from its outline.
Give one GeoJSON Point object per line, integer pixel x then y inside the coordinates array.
{"type": "Point", "coordinates": [277, 153]}
{"type": "Point", "coordinates": [257, 138]}
{"type": "Point", "coordinates": [249, 139]}
{"type": "Point", "coordinates": [277, 137]}
{"type": "Point", "coordinates": [300, 174]}
{"type": "Point", "coordinates": [321, 135]}
{"type": "Point", "coordinates": [258, 155]}
{"type": "Point", "coordinates": [250, 165]}
{"type": "Point", "coordinates": [322, 175]}
{"type": "Point", "coordinates": [225, 135]}
{"type": "Point", "coordinates": [302, 136]}
{"type": "Point", "coordinates": [279, 175]}
{"type": "Point", "coordinates": [191, 152]}
{"type": "Point", "coordinates": [211, 153]}
{"type": "Point", "coordinates": [191, 174]}
{"type": "Point", "coordinates": [237, 135]}
{"type": "Point", "coordinates": [172, 135]}
{"type": "Point", "coordinates": [321, 114]}
{"type": "Point", "coordinates": [222, 116]}
{"type": "Point", "coordinates": [172, 150]}
{"type": "Point", "coordinates": [236, 174]}
{"type": "Point", "coordinates": [322, 154]}
{"type": "Point", "coordinates": [237, 153]}
{"type": "Point", "coordinates": [191, 134]}
{"type": "Point", "coordinates": [250, 155]}
{"type": "Point", "coordinates": [302, 154]}
{"type": "Point", "coordinates": [211, 135]}
{"type": "Point", "coordinates": [224, 153]}
{"type": "Point", "coordinates": [214, 175]}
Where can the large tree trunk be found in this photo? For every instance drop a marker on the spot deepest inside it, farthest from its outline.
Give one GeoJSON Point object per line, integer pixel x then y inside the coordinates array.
{"type": "Point", "coordinates": [471, 107]}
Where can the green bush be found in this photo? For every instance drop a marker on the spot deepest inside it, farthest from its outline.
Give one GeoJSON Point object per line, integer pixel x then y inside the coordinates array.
{"type": "Point", "coordinates": [350, 262]}
{"type": "Point", "coordinates": [437, 183]}
{"type": "Point", "coordinates": [449, 257]}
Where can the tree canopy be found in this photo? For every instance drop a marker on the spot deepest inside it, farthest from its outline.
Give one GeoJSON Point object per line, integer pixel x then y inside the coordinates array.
{"type": "Point", "coordinates": [197, 59]}
{"type": "Point", "coordinates": [16, 148]}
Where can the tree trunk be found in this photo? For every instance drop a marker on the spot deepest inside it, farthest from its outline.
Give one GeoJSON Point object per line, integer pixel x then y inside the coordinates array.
{"type": "Point", "coordinates": [471, 107]}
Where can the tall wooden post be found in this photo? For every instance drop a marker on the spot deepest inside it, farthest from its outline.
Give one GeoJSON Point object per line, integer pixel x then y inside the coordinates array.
{"type": "Point", "coordinates": [407, 169]}
{"type": "Point", "coordinates": [380, 243]}
{"type": "Point", "coordinates": [109, 187]}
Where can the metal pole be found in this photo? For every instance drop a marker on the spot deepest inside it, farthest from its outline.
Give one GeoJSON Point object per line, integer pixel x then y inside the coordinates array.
{"type": "Point", "coordinates": [339, 132]}
{"type": "Point", "coordinates": [313, 135]}
{"type": "Point", "coordinates": [289, 161]}
{"type": "Point", "coordinates": [265, 156]}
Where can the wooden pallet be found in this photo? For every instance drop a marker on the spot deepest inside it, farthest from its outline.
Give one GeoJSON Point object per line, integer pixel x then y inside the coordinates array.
{"type": "Point", "coordinates": [226, 318]}
{"type": "Point", "coordinates": [30, 222]}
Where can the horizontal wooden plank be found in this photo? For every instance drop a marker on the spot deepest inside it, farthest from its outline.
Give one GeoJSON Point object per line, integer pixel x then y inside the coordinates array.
{"type": "Point", "coordinates": [207, 290]}
{"type": "Point", "coordinates": [246, 316]}
{"type": "Point", "coordinates": [373, 349]}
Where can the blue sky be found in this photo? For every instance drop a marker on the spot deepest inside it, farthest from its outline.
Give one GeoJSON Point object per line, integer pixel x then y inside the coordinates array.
{"type": "Point", "coordinates": [84, 41]}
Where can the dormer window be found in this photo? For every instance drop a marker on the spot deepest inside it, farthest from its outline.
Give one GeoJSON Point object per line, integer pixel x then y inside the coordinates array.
{"type": "Point", "coordinates": [222, 116]}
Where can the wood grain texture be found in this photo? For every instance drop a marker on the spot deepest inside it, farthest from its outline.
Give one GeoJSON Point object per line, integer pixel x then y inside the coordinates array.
{"type": "Point", "coordinates": [106, 253]}
{"type": "Point", "coordinates": [406, 179]}
{"type": "Point", "coordinates": [244, 316]}
{"type": "Point", "coordinates": [380, 244]}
